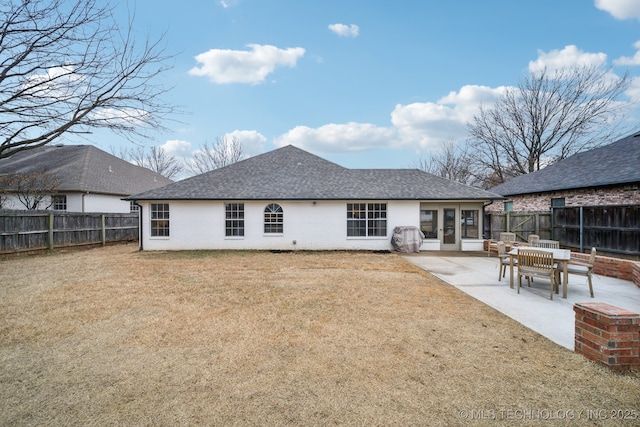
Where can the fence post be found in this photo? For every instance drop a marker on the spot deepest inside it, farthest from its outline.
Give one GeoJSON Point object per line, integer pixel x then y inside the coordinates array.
{"type": "Point", "coordinates": [103, 230]}
{"type": "Point", "coordinates": [581, 229]}
{"type": "Point", "coordinates": [50, 233]}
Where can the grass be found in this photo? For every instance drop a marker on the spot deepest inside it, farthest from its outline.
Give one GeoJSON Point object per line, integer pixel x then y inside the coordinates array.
{"type": "Point", "coordinates": [117, 336]}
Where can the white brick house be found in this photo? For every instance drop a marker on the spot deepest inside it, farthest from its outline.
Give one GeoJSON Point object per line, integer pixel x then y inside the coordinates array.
{"type": "Point", "coordinates": [290, 199]}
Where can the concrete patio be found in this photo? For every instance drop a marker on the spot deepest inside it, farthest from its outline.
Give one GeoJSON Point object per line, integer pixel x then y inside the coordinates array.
{"type": "Point", "coordinates": [477, 275]}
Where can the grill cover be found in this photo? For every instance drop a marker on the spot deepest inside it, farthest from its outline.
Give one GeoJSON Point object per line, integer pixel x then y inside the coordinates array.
{"type": "Point", "coordinates": [407, 239]}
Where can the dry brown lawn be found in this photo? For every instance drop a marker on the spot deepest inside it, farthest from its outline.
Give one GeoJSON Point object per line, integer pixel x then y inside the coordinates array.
{"type": "Point", "coordinates": [116, 336]}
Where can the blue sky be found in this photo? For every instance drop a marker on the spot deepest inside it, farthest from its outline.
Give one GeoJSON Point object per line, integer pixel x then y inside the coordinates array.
{"type": "Point", "coordinates": [365, 83]}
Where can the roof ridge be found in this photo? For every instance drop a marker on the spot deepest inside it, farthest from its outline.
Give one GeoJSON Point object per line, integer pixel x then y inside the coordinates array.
{"type": "Point", "coordinates": [86, 153]}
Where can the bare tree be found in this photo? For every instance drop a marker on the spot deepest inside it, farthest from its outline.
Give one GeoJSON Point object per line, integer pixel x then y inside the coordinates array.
{"type": "Point", "coordinates": [451, 161]}
{"type": "Point", "coordinates": [155, 158]}
{"type": "Point", "coordinates": [67, 68]}
{"type": "Point", "coordinates": [225, 151]}
{"type": "Point", "coordinates": [546, 118]}
{"type": "Point", "coordinates": [32, 189]}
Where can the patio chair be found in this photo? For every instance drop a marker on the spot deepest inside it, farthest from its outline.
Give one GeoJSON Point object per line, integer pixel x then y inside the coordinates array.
{"type": "Point", "coordinates": [549, 244]}
{"type": "Point", "coordinates": [531, 238]}
{"type": "Point", "coordinates": [507, 238]}
{"type": "Point", "coordinates": [579, 268]}
{"type": "Point", "coordinates": [503, 259]}
{"type": "Point", "coordinates": [536, 263]}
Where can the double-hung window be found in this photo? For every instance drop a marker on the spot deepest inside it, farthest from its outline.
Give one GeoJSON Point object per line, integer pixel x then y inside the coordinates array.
{"type": "Point", "coordinates": [159, 219]}
{"type": "Point", "coordinates": [59, 202]}
{"type": "Point", "coordinates": [234, 219]}
{"type": "Point", "coordinates": [366, 219]}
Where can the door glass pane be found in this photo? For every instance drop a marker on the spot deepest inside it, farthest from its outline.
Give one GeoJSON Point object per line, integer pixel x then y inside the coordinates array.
{"type": "Point", "coordinates": [449, 227]}
{"type": "Point", "coordinates": [429, 223]}
{"type": "Point", "coordinates": [469, 224]}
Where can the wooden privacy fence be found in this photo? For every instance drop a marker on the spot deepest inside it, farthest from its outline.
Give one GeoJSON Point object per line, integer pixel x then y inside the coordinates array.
{"type": "Point", "coordinates": [521, 223]}
{"type": "Point", "coordinates": [37, 230]}
{"type": "Point", "coordinates": [610, 229]}
{"type": "Point", "coordinates": [613, 229]}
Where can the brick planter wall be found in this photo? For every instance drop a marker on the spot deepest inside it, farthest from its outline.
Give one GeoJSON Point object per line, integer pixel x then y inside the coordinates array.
{"type": "Point", "coordinates": [613, 267]}
{"type": "Point", "coordinates": [608, 335]}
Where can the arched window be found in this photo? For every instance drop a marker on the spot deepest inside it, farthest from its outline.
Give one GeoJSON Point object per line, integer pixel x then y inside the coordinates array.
{"type": "Point", "coordinates": [273, 219]}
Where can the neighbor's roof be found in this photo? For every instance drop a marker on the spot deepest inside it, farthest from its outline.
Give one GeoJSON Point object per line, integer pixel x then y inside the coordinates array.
{"type": "Point", "coordinates": [85, 168]}
{"type": "Point", "coordinates": [290, 173]}
{"type": "Point", "coordinates": [616, 163]}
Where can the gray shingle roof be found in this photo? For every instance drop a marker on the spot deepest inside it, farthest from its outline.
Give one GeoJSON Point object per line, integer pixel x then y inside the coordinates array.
{"type": "Point", "coordinates": [616, 163]}
{"type": "Point", "coordinates": [85, 168]}
{"type": "Point", "coordinates": [290, 173]}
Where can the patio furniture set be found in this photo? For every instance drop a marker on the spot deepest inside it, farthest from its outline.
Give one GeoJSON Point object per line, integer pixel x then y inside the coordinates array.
{"type": "Point", "coordinates": [539, 258]}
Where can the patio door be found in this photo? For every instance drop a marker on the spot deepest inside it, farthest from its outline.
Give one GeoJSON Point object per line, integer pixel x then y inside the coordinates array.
{"type": "Point", "coordinates": [449, 239]}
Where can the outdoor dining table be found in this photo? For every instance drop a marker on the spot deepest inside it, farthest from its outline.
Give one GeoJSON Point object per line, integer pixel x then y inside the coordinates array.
{"type": "Point", "coordinates": [559, 255]}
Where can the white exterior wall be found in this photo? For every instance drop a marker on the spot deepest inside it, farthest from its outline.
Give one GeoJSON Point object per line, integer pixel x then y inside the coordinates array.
{"type": "Point", "coordinates": [100, 203]}
{"type": "Point", "coordinates": [319, 226]}
{"type": "Point", "coordinates": [80, 202]}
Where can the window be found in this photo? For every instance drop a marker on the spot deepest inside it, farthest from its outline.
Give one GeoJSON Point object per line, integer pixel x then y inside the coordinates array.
{"type": "Point", "coordinates": [557, 203]}
{"type": "Point", "coordinates": [234, 219]}
{"type": "Point", "coordinates": [508, 206]}
{"type": "Point", "coordinates": [366, 219]}
{"type": "Point", "coordinates": [470, 224]}
{"type": "Point", "coordinates": [59, 202]}
{"type": "Point", "coordinates": [160, 220]}
{"type": "Point", "coordinates": [273, 219]}
{"type": "Point", "coordinates": [133, 208]}
{"type": "Point", "coordinates": [429, 223]}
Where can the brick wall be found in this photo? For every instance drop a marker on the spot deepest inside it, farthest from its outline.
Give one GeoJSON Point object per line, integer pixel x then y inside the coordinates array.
{"type": "Point", "coordinates": [608, 335]}
{"type": "Point", "coordinates": [613, 267]}
{"type": "Point", "coordinates": [612, 195]}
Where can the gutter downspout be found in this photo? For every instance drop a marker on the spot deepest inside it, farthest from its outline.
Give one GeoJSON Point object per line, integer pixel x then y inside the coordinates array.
{"type": "Point", "coordinates": [139, 222]}
{"type": "Point", "coordinates": [83, 196]}
{"type": "Point", "coordinates": [484, 216]}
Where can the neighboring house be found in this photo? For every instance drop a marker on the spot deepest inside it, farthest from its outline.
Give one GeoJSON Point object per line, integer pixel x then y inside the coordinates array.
{"type": "Point", "coordinates": [608, 175]}
{"type": "Point", "coordinates": [87, 178]}
{"type": "Point", "coordinates": [290, 199]}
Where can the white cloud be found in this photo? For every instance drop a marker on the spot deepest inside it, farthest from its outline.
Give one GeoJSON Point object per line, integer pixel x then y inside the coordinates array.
{"type": "Point", "coordinates": [625, 60]}
{"type": "Point", "coordinates": [252, 141]}
{"type": "Point", "coordinates": [335, 138]}
{"type": "Point", "coordinates": [128, 116]}
{"type": "Point", "coordinates": [227, 3]}
{"type": "Point", "coordinates": [345, 30]}
{"type": "Point", "coordinates": [234, 66]}
{"type": "Point", "coordinates": [177, 148]}
{"type": "Point", "coordinates": [620, 9]}
{"type": "Point", "coordinates": [634, 90]}
{"type": "Point", "coordinates": [428, 124]}
{"type": "Point", "coordinates": [562, 59]}
{"type": "Point", "coordinates": [416, 125]}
